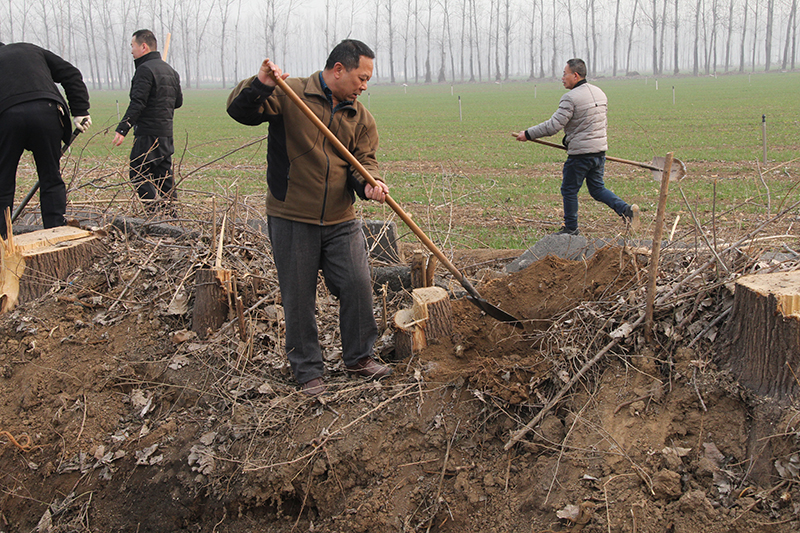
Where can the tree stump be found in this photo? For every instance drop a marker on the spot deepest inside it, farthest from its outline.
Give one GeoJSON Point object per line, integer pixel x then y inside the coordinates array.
{"type": "Point", "coordinates": [33, 262]}
{"type": "Point", "coordinates": [764, 333]}
{"type": "Point", "coordinates": [212, 300]}
{"type": "Point", "coordinates": [429, 319]}
{"type": "Point", "coordinates": [418, 272]}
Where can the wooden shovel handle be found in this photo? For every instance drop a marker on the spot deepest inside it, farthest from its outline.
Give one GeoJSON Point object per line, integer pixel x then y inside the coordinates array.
{"type": "Point", "coordinates": [367, 176]}
{"type": "Point", "coordinates": [617, 159]}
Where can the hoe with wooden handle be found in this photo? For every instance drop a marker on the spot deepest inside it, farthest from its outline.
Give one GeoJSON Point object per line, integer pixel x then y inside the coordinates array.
{"type": "Point", "coordinates": [656, 166]}
{"type": "Point", "coordinates": [473, 295]}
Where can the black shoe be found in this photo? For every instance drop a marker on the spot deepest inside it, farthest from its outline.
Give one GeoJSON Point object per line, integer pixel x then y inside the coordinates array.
{"type": "Point", "coordinates": [565, 231]}
{"type": "Point", "coordinates": [631, 216]}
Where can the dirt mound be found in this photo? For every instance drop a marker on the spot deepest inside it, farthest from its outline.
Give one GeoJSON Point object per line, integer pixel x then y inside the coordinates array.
{"type": "Point", "coordinates": [125, 422]}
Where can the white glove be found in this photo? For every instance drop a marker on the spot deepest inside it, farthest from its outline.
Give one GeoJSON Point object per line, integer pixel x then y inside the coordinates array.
{"type": "Point", "coordinates": [82, 123]}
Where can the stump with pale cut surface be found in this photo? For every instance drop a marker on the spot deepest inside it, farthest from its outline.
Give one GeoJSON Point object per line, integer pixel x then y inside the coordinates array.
{"type": "Point", "coordinates": [32, 262]}
{"type": "Point", "coordinates": [429, 319]}
{"type": "Point", "coordinates": [764, 333]}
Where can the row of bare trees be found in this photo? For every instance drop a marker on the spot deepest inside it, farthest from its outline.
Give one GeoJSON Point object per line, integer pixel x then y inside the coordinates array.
{"type": "Point", "coordinates": [216, 42]}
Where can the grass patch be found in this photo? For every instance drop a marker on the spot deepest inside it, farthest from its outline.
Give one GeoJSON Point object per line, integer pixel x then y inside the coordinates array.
{"type": "Point", "coordinates": [446, 148]}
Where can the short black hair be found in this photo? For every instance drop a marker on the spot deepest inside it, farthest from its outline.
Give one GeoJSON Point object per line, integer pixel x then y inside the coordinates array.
{"type": "Point", "coordinates": [146, 36]}
{"type": "Point", "coordinates": [578, 66]}
{"type": "Point", "coordinates": [348, 53]}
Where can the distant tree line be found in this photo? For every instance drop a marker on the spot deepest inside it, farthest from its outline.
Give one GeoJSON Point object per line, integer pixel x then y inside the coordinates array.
{"type": "Point", "coordinates": [216, 42]}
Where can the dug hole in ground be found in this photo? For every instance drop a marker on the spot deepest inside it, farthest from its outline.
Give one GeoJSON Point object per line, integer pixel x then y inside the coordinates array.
{"type": "Point", "coordinates": [115, 416]}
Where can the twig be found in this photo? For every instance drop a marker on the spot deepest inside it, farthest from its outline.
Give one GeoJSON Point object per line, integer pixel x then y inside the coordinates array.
{"type": "Point", "coordinates": [83, 422]}
{"type": "Point", "coordinates": [711, 247]}
{"type": "Point", "coordinates": [441, 477]}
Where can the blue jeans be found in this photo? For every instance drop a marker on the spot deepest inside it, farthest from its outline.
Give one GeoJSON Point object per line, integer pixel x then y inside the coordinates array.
{"type": "Point", "coordinates": [340, 251]}
{"type": "Point", "coordinates": [576, 170]}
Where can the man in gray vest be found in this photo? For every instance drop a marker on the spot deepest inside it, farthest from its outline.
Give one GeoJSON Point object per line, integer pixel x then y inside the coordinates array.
{"type": "Point", "coordinates": [581, 114]}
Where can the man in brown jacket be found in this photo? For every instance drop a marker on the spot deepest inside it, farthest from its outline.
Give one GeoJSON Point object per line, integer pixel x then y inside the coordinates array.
{"type": "Point", "coordinates": [312, 188]}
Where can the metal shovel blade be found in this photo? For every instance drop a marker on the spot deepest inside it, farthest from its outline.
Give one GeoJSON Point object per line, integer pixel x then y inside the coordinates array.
{"type": "Point", "coordinates": [677, 171]}
{"type": "Point", "coordinates": [495, 312]}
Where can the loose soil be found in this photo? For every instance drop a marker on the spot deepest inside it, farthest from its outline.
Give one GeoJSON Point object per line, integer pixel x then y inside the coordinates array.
{"type": "Point", "coordinates": [114, 416]}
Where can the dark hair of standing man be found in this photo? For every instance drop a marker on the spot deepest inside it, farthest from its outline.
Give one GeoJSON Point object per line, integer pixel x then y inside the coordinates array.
{"type": "Point", "coordinates": [147, 37]}
{"type": "Point", "coordinates": [348, 53]}
{"type": "Point", "coordinates": [578, 66]}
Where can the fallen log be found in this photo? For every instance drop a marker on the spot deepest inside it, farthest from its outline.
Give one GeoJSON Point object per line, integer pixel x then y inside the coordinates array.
{"type": "Point", "coordinates": [32, 262]}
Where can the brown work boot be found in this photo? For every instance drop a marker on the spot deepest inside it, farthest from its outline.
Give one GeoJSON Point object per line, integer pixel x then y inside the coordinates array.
{"type": "Point", "coordinates": [370, 368]}
{"type": "Point", "coordinates": [314, 387]}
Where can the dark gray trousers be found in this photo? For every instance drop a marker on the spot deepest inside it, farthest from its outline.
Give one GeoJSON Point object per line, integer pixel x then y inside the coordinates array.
{"type": "Point", "coordinates": [300, 251]}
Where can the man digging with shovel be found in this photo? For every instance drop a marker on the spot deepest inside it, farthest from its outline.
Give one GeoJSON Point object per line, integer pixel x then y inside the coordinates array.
{"type": "Point", "coordinates": [312, 223]}
{"type": "Point", "coordinates": [581, 114]}
{"type": "Point", "coordinates": [34, 116]}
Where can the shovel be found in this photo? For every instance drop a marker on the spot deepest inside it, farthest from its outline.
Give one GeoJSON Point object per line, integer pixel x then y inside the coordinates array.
{"type": "Point", "coordinates": [677, 172]}
{"type": "Point", "coordinates": [473, 295]}
{"type": "Point", "coordinates": [35, 188]}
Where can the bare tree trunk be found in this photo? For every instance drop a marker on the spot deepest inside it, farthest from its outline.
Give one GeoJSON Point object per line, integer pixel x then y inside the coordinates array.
{"type": "Point", "coordinates": [744, 34]}
{"type": "Point", "coordinates": [790, 23]}
{"type": "Point", "coordinates": [541, 39]}
{"type": "Point", "coordinates": [450, 43]}
{"type": "Point", "coordinates": [794, 39]}
{"type": "Point", "coordinates": [595, 57]}
{"type": "Point", "coordinates": [442, 77]}
{"type": "Point", "coordinates": [616, 39]}
{"type": "Point", "coordinates": [477, 40]}
{"type": "Point", "coordinates": [472, 39]}
{"type": "Point", "coordinates": [654, 25]}
{"type": "Point", "coordinates": [507, 32]}
{"type": "Point", "coordinates": [406, 38]}
{"type": "Point", "coordinates": [588, 59]}
{"type": "Point", "coordinates": [497, 44]}
{"type": "Point", "coordinates": [464, 16]}
{"type": "Point", "coordinates": [531, 42]}
{"type": "Point", "coordinates": [630, 38]}
{"type": "Point", "coordinates": [376, 71]}
{"type": "Point", "coordinates": [416, 41]}
{"type": "Point", "coordinates": [661, 41]}
{"type": "Point", "coordinates": [391, 40]}
{"type": "Point", "coordinates": [768, 35]}
{"type": "Point", "coordinates": [11, 20]}
{"type": "Point", "coordinates": [696, 65]}
{"type": "Point", "coordinates": [728, 37]}
{"type": "Point", "coordinates": [755, 35]}
{"type": "Point", "coordinates": [574, 51]}
{"type": "Point", "coordinates": [88, 28]}
{"type": "Point", "coordinates": [554, 60]}
{"type": "Point", "coordinates": [676, 68]}
{"type": "Point", "coordinates": [428, 37]}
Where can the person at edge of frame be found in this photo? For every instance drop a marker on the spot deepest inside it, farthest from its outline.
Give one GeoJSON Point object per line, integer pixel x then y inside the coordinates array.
{"type": "Point", "coordinates": [582, 114]}
{"type": "Point", "coordinates": [34, 116]}
{"type": "Point", "coordinates": [311, 192]}
{"type": "Point", "coordinates": [155, 94]}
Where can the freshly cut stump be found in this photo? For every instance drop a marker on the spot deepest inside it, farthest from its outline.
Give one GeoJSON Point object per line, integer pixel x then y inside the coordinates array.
{"type": "Point", "coordinates": [212, 300]}
{"type": "Point", "coordinates": [764, 332]}
{"type": "Point", "coordinates": [33, 262]}
{"type": "Point", "coordinates": [429, 319]}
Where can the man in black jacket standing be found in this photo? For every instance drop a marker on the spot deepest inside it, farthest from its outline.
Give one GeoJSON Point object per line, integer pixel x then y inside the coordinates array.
{"type": "Point", "coordinates": [155, 94]}
{"type": "Point", "coordinates": [34, 116]}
